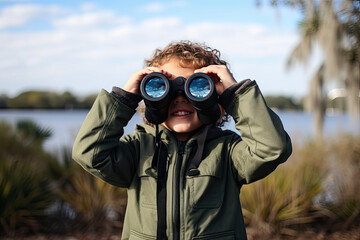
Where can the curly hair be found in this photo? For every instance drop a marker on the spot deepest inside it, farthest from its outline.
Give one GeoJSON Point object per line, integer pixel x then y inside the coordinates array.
{"type": "Point", "coordinates": [189, 53]}
{"type": "Point", "coordinates": [194, 54]}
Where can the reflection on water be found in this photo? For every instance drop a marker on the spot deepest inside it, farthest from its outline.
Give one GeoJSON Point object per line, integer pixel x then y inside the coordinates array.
{"type": "Point", "coordinates": [155, 87]}
{"type": "Point", "coordinates": [65, 123]}
{"type": "Point", "coordinates": [199, 87]}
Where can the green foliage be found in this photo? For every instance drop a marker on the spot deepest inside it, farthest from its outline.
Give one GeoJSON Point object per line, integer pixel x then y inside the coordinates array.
{"type": "Point", "coordinates": [68, 100]}
{"type": "Point", "coordinates": [32, 133]}
{"type": "Point", "coordinates": [283, 102]}
{"type": "Point", "coordinates": [32, 98]}
{"type": "Point", "coordinates": [24, 143]}
{"type": "Point", "coordinates": [318, 182]}
{"type": "Point", "coordinates": [3, 101]}
{"type": "Point", "coordinates": [88, 101]}
{"type": "Point", "coordinates": [24, 196]}
{"type": "Point", "coordinates": [32, 182]}
{"type": "Point", "coordinates": [284, 199]}
{"type": "Point", "coordinates": [94, 202]}
{"type": "Point", "coordinates": [46, 100]}
{"type": "Point", "coordinates": [343, 183]}
{"type": "Point", "coordinates": [332, 27]}
{"type": "Point", "coordinates": [289, 103]}
{"type": "Point", "coordinates": [24, 190]}
{"type": "Point", "coordinates": [91, 199]}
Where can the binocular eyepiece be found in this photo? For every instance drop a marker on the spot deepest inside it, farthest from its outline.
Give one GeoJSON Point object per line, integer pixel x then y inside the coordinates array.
{"type": "Point", "coordinates": [158, 92]}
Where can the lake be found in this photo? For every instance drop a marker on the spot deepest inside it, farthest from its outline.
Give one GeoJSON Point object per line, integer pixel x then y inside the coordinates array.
{"type": "Point", "coordinates": [66, 123]}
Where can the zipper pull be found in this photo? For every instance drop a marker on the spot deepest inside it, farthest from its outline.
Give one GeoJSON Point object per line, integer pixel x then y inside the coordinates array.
{"type": "Point", "coordinates": [181, 148]}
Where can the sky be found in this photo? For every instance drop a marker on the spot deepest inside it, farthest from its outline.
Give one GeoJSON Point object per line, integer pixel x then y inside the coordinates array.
{"type": "Point", "coordinates": [84, 46]}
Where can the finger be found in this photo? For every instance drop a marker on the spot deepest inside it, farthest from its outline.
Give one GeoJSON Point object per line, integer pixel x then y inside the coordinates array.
{"type": "Point", "coordinates": [160, 70]}
{"type": "Point", "coordinates": [214, 71]}
{"type": "Point", "coordinates": [223, 73]}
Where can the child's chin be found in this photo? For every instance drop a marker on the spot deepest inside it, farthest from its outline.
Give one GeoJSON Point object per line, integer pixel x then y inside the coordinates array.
{"type": "Point", "coordinates": [181, 129]}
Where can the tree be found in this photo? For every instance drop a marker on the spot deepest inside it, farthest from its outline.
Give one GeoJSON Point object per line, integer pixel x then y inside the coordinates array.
{"type": "Point", "coordinates": [334, 26]}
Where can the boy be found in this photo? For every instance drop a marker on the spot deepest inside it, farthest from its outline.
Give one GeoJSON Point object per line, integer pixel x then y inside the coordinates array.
{"type": "Point", "coordinates": [167, 201]}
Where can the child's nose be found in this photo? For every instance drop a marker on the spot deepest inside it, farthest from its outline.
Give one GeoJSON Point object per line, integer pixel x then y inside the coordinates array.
{"type": "Point", "coordinates": [180, 97]}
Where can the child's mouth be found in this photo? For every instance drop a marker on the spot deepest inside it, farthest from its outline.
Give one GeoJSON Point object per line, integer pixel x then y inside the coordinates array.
{"type": "Point", "coordinates": [181, 113]}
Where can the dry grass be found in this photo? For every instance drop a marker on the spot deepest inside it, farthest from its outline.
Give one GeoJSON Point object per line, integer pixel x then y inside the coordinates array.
{"type": "Point", "coordinates": [317, 188]}
{"type": "Point", "coordinates": [319, 185]}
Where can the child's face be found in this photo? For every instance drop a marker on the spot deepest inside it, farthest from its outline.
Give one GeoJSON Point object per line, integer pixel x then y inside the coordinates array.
{"type": "Point", "coordinates": [182, 117]}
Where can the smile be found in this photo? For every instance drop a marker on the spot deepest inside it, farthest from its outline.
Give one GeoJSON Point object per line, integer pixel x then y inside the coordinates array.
{"type": "Point", "coordinates": [181, 113]}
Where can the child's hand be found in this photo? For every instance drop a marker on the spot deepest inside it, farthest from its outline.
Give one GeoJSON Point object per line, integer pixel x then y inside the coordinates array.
{"type": "Point", "coordinates": [223, 73]}
{"type": "Point", "coordinates": [133, 84]}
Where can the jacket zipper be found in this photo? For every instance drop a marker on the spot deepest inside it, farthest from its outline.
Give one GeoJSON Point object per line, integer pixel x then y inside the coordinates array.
{"type": "Point", "coordinates": [176, 191]}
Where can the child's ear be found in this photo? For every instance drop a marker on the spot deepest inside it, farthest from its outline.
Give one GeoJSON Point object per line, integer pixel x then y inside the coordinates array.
{"type": "Point", "coordinates": [222, 113]}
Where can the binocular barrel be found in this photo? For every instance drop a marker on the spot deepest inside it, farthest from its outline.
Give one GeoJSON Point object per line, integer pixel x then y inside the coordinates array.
{"type": "Point", "coordinates": [158, 92]}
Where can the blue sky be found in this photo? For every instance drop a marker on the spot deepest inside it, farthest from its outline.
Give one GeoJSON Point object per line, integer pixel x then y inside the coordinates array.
{"type": "Point", "coordinates": [83, 46]}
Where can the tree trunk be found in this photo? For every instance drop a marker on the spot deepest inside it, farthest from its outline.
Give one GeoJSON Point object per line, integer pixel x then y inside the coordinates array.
{"type": "Point", "coordinates": [316, 102]}
{"type": "Point", "coordinates": [319, 119]}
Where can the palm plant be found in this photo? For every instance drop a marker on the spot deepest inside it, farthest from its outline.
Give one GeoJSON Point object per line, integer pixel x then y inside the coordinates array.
{"type": "Point", "coordinates": [33, 183]}
{"type": "Point", "coordinates": [334, 28]}
{"type": "Point", "coordinates": [93, 201]}
{"type": "Point", "coordinates": [82, 199]}
{"type": "Point", "coordinates": [24, 188]}
{"type": "Point", "coordinates": [283, 201]}
{"type": "Point", "coordinates": [32, 133]}
{"type": "Point", "coordinates": [24, 197]}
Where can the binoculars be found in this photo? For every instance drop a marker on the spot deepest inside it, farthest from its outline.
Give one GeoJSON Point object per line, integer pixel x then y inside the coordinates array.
{"type": "Point", "coordinates": [158, 92]}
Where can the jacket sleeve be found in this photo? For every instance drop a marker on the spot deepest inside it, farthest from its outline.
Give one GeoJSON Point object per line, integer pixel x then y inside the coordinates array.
{"type": "Point", "coordinates": [264, 143]}
{"type": "Point", "coordinates": [98, 147]}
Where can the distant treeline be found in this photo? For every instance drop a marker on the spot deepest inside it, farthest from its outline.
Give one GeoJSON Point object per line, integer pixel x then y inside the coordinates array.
{"type": "Point", "coordinates": [46, 100]}
{"type": "Point", "coordinates": [284, 103]}
{"type": "Point", "coordinates": [67, 100]}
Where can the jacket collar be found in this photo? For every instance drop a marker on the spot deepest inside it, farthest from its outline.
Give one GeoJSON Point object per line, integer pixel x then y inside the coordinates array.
{"type": "Point", "coordinates": [166, 135]}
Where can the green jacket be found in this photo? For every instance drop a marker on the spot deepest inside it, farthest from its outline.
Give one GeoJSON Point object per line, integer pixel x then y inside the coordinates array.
{"type": "Point", "coordinates": [205, 206]}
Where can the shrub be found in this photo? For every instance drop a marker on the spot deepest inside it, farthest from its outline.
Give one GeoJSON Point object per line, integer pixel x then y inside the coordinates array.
{"type": "Point", "coordinates": [94, 202]}
{"type": "Point", "coordinates": [341, 199]}
{"type": "Point", "coordinates": [24, 197]}
{"type": "Point", "coordinates": [24, 189]}
{"type": "Point", "coordinates": [318, 185]}
{"type": "Point", "coordinates": [41, 192]}
{"type": "Point", "coordinates": [284, 199]}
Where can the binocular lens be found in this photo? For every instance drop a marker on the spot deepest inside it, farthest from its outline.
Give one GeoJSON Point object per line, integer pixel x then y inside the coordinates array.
{"type": "Point", "coordinates": [199, 87]}
{"type": "Point", "coordinates": [158, 92]}
{"type": "Point", "coordinates": [155, 87]}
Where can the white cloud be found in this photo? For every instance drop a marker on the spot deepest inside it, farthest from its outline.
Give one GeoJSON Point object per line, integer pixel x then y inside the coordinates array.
{"type": "Point", "coordinates": [154, 7]}
{"type": "Point", "coordinates": [20, 14]}
{"type": "Point", "coordinates": [162, 24]}
{"type": "Point", "coordinates": [88, 6]}
{"type": "Point", "coordinates": [95, 50]}
{"type": "Point", "coordinates": [86, 20]}
{"type": "Point", "coordinates": [242, 40]}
